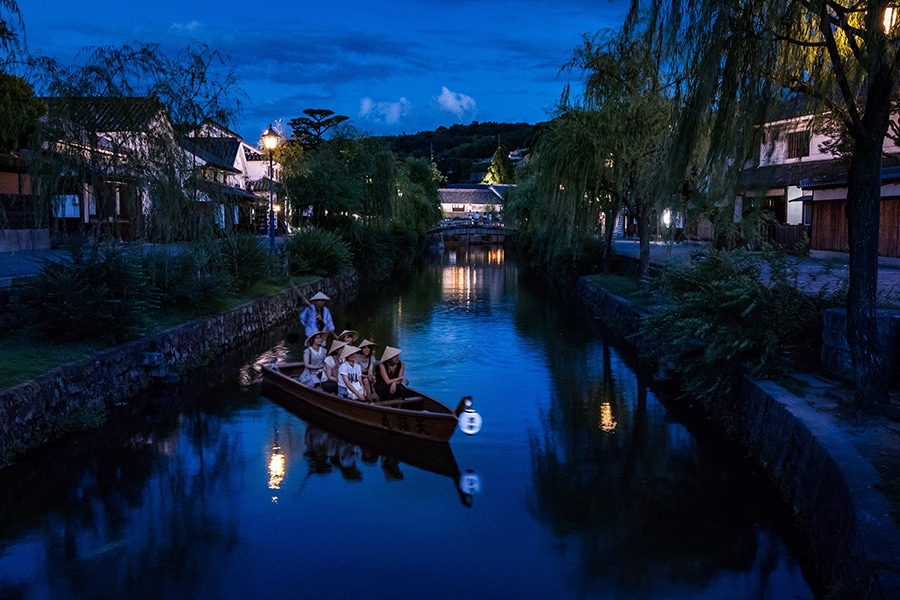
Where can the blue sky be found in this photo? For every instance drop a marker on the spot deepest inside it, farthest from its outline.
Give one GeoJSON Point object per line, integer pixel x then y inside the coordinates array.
{"type": "Point", "coordinates": [392, 67]}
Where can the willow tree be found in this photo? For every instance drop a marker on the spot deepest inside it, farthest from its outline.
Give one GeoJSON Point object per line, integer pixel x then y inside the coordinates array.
{"type": "Point", "coordinates": [561, 191]}
{"type": "Point", "coordinates": [843, 58]}
{"type": "Point", "coordinates": [601, 153]}
{"type": "Point", "coordinates": [12, 30]}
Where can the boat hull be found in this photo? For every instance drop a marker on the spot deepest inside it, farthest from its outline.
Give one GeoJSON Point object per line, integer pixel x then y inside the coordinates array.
{"type": "Point", "coordinates": [421, 417]}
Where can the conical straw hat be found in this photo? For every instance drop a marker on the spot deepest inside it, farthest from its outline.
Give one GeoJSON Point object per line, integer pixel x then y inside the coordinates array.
{"type": "Point", "coordinates": [389, 353]}
{"type": "Point", "coordinates": [348, 350]}
{"type": "Point", "coordinates": [353, 334]}
{"type": "Point", "coordinates": [309, 340]}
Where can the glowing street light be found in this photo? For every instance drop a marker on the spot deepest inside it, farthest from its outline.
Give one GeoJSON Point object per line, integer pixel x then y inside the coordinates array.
{"type": "Point", "coordinates": [270, 141]}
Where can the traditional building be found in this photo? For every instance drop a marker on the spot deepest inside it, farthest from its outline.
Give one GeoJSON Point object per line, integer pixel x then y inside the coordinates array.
{"type": "Point", "coordinates": [802, 184]}
{"type": "Point", "coordinates": [466, 201]}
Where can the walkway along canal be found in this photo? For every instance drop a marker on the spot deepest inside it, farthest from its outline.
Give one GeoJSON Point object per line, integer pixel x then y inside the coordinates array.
{"type": "Point", "coordinates": [581, 483]}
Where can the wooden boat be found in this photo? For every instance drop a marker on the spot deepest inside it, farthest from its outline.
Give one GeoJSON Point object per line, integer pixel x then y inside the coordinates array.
{"type": "Point", "coordinates": [419, 417]}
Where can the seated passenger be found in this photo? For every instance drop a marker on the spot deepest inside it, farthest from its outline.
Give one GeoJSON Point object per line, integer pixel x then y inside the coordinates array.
{"type": "Point", "coordinates": [350, 384]}
{"type": "Point", "coordinates": [330, 382]}
{"type": "Point", "coordinates": [390, 381]}
{"type": "Point", "coordinates": [314, 360]}
{"type": "Point", "coordinates": [367, 364]}
{"type": "Point", "coordinates": [348, 336]}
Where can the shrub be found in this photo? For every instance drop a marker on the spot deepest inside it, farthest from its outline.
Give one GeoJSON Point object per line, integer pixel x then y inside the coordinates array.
{"type": "Point", "coordinates": [98, 294]}
{"type": "Point", "coordinates": [732, 313]}
{"type": "Point", "coordinates": [318, 252]}
{"type": "Point", "coordinates": [245, 259]}
{"type": "Point", "coordinates": [189, 276]}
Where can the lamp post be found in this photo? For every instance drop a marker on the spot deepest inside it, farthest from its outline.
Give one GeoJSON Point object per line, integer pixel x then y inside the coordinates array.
{"type": "Point", "coordinates": [270, 140]}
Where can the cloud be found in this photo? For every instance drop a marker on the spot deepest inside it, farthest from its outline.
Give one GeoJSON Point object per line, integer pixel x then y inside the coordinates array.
{"type": "Point", "coordinates": [455, 103]}
{"type": "Point", "coordinates": [191, 27]}
{"type": "Point", "coordinates": [386, 112]}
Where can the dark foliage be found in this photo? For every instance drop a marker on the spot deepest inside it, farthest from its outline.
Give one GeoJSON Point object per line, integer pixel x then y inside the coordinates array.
{"type": "Point", "coordinates": [318, 252]}
{"type": "Point", "coordinates": [457, 149]}
{"type": "Point", "coordinates": [100, 293]}
{"type": "Point", "coordinates": [188, 277]}
{"type": "Point", "coordinates": [245, 259]}
{"type": "Point", "coordinates": [734, 313]}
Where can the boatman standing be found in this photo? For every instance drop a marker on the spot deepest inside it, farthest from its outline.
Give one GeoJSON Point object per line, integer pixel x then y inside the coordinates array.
{"type": "Point", "coordinates": [316, 316]}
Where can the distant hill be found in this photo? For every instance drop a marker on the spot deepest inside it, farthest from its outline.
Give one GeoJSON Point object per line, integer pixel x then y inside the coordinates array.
{"type": "Point", "coordinates": [461, 150]}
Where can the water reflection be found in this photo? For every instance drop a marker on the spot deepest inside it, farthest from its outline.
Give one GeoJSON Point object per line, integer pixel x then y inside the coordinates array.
{"type": "Point", "coordinates": [332, 443]}
{"type": "Point", "coordinates": [636, 493]}
{"type": "Point", "coordinates": [276, 467]}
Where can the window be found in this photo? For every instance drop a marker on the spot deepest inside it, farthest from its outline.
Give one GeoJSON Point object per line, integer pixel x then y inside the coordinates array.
{"type": "Point", "coordinates": [807, 213]}
{"type": "Point", "coordinates": [798, 144]}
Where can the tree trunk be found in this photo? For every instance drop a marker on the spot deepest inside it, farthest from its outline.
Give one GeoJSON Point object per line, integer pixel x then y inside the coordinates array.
{"type": "Point", "coordinates": [863, 219]}
{"type": "Point", "coordinates": [610, 226]}
{"type": "Point", "coordinates": [643, 219]}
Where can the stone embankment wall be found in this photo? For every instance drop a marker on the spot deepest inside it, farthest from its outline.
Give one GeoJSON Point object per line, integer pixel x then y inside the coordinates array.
{"type": "Point", "coordinates": [122, 372]}
{"type": "Point", "coordinates": [826, 481]}
{"type": "Point", "coordinates": [12, 240]}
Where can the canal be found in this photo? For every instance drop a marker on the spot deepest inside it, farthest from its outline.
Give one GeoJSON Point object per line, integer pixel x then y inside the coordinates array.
{"type": "Point", "coordinates": [581, 483]}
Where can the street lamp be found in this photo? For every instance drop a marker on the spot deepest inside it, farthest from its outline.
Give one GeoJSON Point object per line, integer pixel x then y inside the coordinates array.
{"type": "Point", "coordinates": [270, 140]}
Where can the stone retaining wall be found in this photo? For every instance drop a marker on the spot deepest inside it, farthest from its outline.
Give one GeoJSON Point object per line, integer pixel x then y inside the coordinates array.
{"type": "Point", "coordinates": [821, 475]}
{"type": "Point", "coordinates": [122, 372]}
{"type": "Point", "coordinates": [13, 240]}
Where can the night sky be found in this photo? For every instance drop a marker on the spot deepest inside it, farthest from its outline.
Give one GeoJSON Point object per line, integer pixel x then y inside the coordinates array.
{"type": "Point", "coordinates": [394, 67]}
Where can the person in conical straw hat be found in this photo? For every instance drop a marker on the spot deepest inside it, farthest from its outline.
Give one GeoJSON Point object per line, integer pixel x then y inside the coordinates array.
{"type": "Point", "coordinates": [316, 316]}
{"type": "Point", "coordinates": [391, 381]}
{"type": "Point", "coordinates": [348, 336]}
{"type": "Point", "coordinates": [350, 376]}
{"type": "Point", "coordinates": [366, 361]}
{"type": "Point", "coordinates": [330, 381]}
{"type": "Point", "coordinates": [314, 360]}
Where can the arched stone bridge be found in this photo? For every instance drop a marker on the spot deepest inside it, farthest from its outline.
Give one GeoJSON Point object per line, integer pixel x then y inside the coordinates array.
{"type": "Point", "coordinates": [469, 232]}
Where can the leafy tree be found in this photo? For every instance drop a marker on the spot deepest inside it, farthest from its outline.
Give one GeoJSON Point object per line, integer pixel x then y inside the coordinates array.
{"type": "Point", "coordinates": [11, 26]}
{"type": "Point", "coordinates": [840, 56]}
{"type": "Point", "coordinates": [555, 205]}
{"type": "Point", "coordinates": [627, 84]}
{"type": "Point", "coordinates": [501, 169]}
{"type": "Point", "coordinates": [599, 154]}
{"type": "Point", "coordinates": [417, 204]}
{"type": "Point", "coordinates": [20, 111]}
{"type": "Point", "coordinates": [310, 130]}
{"type": "Point", "coordinates": [198, 84]}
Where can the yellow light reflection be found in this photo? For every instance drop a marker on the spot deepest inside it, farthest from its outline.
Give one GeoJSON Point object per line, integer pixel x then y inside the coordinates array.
{"type": "Point", "coordinates": [607, 421]}
{"type": "Point", "coordinates": [890, 18]}
{"type": "Point", "coordinates": [276, 470]}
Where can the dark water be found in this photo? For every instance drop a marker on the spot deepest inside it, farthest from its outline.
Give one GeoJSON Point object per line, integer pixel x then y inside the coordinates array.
{"type": "Point", "coordinates": [580, 484]}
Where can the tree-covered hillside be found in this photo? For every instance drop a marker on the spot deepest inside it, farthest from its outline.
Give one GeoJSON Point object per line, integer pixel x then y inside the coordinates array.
{"type": "Point", "coordinates": [460, 150]}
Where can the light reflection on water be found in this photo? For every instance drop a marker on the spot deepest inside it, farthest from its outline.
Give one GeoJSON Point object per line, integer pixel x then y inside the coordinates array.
{"type": "Point", "coordinates": [580, 484]}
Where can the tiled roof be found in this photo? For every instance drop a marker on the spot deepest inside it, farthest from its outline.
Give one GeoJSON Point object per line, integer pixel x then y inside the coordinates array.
{"type": "Point", "coordinates": [105, 115]}
{"type": "Point", "coordinates": [889, 174]}
{"type": "Point", "coordinates": [220, 152]}
{"type": "Point", "coordinates": [220, 189]}
{"type": "Point", "coordinates": [780, 176]}
{"type": "Point", "coordinates": [473, 194]}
